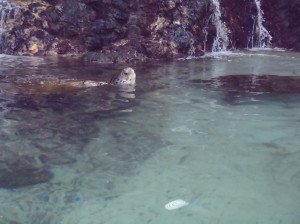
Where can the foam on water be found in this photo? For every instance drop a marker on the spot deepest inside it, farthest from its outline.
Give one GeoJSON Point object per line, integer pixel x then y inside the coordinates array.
{"type": "Point", "coordinates": [267, 49]}
{"type": "Point", "coordinates": [222, 54]}
{"type": "Point", "coordinates": [264, 52]}
{"type": "Point", "coordinates": [233, 163]}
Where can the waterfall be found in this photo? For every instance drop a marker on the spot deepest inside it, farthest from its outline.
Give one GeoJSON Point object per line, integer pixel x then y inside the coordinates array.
{"type": "Point", "coordinates": [7, 11]}
{"type": "Point", "coordinates": [221, 40]}
{"type": "Point", "coordinates": [260, 36]}
{"type": "Point", "coordinates": [192, 50]}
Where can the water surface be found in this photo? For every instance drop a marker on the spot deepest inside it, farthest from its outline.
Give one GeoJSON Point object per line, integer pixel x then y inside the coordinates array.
{"type": "Point", "coordinates": [116, 157]}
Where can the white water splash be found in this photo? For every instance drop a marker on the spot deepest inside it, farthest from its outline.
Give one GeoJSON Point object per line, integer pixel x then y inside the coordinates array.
{"type": "Point", "coordinates": [7, 11]}
{"type": "Point", "coordinates": [221, 40]}
{"type": "Point", "coordinates": [192, 50]}
{"type": "Point", "coordinates": [179, 203]}
{"type": "Point", "coordinates": [260, 37]}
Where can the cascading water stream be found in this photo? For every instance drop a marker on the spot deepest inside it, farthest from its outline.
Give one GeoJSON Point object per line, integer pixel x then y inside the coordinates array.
{"type": "Point", "coordinates": [221, 40]}
{"type": "Point", "coordinates": [7, 11]}
{"type": "Point", "coordinates": [260, 37]}
{"type": "Point", "coordinates": [192, 50]}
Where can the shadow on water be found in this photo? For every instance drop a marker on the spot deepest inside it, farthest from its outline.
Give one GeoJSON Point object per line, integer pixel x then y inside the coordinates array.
{"type": "Point", "coordinates": [252, 89]}
{"type": "Point", "coordinates": [55, 127]}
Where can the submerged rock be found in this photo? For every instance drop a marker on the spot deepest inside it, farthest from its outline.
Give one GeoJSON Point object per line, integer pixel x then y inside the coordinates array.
{"type": "Point", "coordinates": [236, 86]}
{"type": "Point", "coordinates": [20, 171]}
{"type": "Point", "coordinates": [255, 83]}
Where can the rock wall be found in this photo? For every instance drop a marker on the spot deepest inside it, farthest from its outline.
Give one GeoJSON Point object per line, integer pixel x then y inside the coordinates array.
{"type": "Point", "coordinates": [125, 31]}
{"type": "Point", "coordinates": [288, 13]}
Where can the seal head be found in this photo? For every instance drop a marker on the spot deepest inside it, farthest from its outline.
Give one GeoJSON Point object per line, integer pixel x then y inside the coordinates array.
{"type": "Point", "coordinates": [127, 77]}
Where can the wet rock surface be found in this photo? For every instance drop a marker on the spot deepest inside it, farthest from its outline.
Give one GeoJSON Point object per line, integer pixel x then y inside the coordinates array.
{"type": "Point", "coordinates": [288, 14]}
{"type": "Point", "coordinates": [127, 31]}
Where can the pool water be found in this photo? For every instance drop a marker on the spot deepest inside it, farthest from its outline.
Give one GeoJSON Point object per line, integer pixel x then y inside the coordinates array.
{"type": "Point", "coordinates": [109, 155]}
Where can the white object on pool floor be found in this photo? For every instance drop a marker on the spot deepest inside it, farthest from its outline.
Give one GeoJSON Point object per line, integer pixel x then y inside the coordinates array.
{"type": "Point", "coordinates": [176, 204]}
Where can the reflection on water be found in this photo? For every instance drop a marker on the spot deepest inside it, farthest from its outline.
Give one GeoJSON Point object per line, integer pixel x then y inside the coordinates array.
{"type": "Point", "coordinates": [116, 155]}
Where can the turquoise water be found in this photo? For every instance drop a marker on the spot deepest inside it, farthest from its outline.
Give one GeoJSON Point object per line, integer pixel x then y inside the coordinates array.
{"type": "Point", "coordinates": [116, 157]}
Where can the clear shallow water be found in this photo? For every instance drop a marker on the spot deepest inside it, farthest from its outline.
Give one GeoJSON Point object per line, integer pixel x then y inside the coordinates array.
{"type": "Point", "coordinates": [119, 159]}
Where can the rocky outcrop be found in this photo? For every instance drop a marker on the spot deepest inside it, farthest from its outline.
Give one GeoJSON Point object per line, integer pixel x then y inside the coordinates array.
{"type": "Point", "coordinates": [109, 31]}
{"type": "Point", "coordinates": [288, 14]}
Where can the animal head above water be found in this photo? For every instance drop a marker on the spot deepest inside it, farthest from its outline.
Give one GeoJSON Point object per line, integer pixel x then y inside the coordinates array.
{"type": "Point", "coordinates": [126, 77]}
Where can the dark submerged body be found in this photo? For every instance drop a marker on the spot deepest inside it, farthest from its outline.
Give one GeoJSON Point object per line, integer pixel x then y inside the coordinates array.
{"type": "Point", "coordinates": [76, 121]}
{"type": "Point", "coordinates": [60, 121]}
{"type": "Point", "coordinates": [237, 86]}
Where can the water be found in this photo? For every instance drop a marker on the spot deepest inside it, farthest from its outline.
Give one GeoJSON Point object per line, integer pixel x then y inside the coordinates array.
{"type": "Point", "coordinates": [119, 157]}
{"type": "Point", "coordinates": [260, 36]}
{"type": "Point", "coordinates": [221, 40]}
